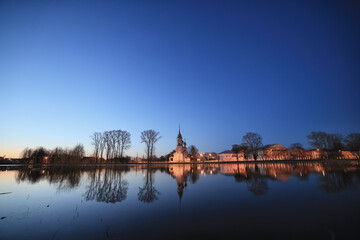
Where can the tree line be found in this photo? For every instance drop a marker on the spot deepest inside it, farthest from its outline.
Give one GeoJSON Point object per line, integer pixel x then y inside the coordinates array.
{"type": "Point", "coordinates": [111, 144]}
{"type": "Point", "coordinates": [329, 144]}
{"type": "Point", "coordinates": [57, 155]}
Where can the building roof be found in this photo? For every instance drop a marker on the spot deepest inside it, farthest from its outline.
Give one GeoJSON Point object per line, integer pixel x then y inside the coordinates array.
{"type": "Point", "coordinates": [226, 151]}
{"type": "Point", "coordinates": [275, 147]}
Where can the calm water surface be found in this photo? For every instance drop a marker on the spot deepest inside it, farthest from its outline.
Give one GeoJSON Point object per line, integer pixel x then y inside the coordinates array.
{"type": "Point", "coordinates": [213, 201]}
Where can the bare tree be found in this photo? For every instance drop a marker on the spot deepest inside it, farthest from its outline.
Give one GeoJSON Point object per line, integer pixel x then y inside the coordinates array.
{"type": "Point", "coordinates": [353, 143]}
{"type": "Point", "coordinates": [39, 154]}
{"type": "Point", "coordinates": [26, 153]}
{"type": "Point", "coordinates": [253, 141]}
{"type": "Point", "coordinates": [236, 150]}
{"type": "Point", "coordinates": [328, 144]}
{"type": "Point", "coordinates": [296, 146]}
{"type": "Point", "coordinates": [335, 141]}
{"type": "Point", "coordinates": [107, 140]}
{"type": "Point", "coordinates": [96, 141]}
{"type": "Point", "coordinates": [117, 135]}
{"type": "Point", "coordinates": [150, 137]}
{"type": "Point", "coordinates": [114, 143]}
{"type": "Point", "coordinates": [78, 153]}
{"type": "Point", "coordinates": [318, 140]}
{"type": "Point", "coordinates": [102, 145]}
{"type": "Point", "coordinates": [125, 141]}
{"type": "Point", "coordinates": [193, 152]}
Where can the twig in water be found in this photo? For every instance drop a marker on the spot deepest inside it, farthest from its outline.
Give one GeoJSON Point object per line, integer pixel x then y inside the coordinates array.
{"type": "Point", "coordinates": [5, 193]}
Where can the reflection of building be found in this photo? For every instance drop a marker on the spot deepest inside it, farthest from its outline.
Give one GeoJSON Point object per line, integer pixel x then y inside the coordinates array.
{"type": "Point", "coordinates": [181, 151]}
{"type": "Point", "coordinates": [180, 172]}
{"type": "Point", "coordinates": [348, 155]}
{"type": "Point", "coordinates": [229, 156]}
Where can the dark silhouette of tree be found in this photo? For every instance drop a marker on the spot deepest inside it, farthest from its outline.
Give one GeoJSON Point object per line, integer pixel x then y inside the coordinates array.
{"type": "Point", "coordinates": [77, 153]}
{"type": "Point", "coordinates": [150, 137]}
{"type": "Point", "coordinates": [296, 146]}
{"type": "Point", "coordinates": [193, 152]}
{"type": "Point", "coordinates": [96, 141]}
{"type": "Point", "coordinates": [108, 144]}
{"type": "Point", "coordinates": [325, 142]}
{"type": "Point", "coordinates": [125, 142]}
{"type": "Point", "coordinates": [102, 145]}
{"type": "Point", "coordinates": [318, 140]}
{"type": "Point", "coordinates": [26, 154]}
{"type": "Point", "coordinates": [236, 149]}
{"type": "Point", "coordinates": [253, 141]}
{"type": "Point", "coordinates": [353, 143]}
{"type": "Point", "coordinates": [39, 154]}
{"type": "Point", "coordinates": [114, 143]}
{"type": "Point", "coordinates": [148, 193]}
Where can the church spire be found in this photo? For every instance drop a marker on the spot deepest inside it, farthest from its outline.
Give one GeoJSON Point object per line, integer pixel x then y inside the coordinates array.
{"type": "Point", "coordinates": [179, 135]}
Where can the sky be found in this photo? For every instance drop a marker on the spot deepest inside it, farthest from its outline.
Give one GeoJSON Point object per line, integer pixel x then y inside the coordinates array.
{"type": "Point", "coordinates": [219, 68]}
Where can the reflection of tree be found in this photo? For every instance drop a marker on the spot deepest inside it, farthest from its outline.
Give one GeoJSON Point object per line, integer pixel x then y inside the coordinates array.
{"type": "Point", "coordinates": [148, 193]}
{"type": "Point", "coordinates": [194, 175]}
{"type": "Point", "coordinates": [29, 175]}
{"type": "Point", "coordinates": [64, 177]}
{"type": "Point", "coordinates": [258, 185]}
{"type": "Point", "coordinates": [107, 186]}
{"type": "Point", "coordinates": [336, 181]}
{"type": "Point", "coordinates": [238, 176]}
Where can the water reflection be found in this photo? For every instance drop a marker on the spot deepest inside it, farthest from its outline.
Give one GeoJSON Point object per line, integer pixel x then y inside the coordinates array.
{"type": "Point", "coordinates": [109, 184]}
{"type": "Point", "coordinates": [64, 178]}
{"type": "Point", "coordinates": [224, 201]}
{"type": "Point", "coordinates": [148, 193]}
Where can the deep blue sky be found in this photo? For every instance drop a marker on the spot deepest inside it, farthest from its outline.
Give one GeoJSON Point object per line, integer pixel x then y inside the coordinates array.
{"type": "Point", "coordinates": [220, 68]}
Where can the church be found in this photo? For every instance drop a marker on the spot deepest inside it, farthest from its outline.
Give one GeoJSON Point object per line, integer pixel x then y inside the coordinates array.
{"type": "Point", "coordinates": [181, 151]}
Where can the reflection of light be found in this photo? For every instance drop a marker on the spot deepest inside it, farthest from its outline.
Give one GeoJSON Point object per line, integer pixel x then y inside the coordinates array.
{"type": "Point", "coordinates": [323, 173]}
{"type": "Point", "coordinates": [210, 171]}
{"type": "Point", "coordinates": [43, 171]}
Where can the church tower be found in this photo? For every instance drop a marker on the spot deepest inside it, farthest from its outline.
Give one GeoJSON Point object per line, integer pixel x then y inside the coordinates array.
{"type": "Point", "coordinates": [181, 151]}
{"type": "Point", "coordinates": [179, 142]}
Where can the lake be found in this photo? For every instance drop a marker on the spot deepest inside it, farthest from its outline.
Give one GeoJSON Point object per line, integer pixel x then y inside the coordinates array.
{"type": "Point", "coordinates": [308, 200]}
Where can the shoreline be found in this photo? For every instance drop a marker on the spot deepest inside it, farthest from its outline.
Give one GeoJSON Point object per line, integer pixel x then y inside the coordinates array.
{"type": "Point", "coordinates": [182, 163]}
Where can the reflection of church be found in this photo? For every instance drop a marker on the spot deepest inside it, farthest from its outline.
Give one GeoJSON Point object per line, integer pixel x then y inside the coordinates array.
{"type": "Point", "coordinates": [180, 172]}
{"type": "Point", "coordinates": [181, 151]}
